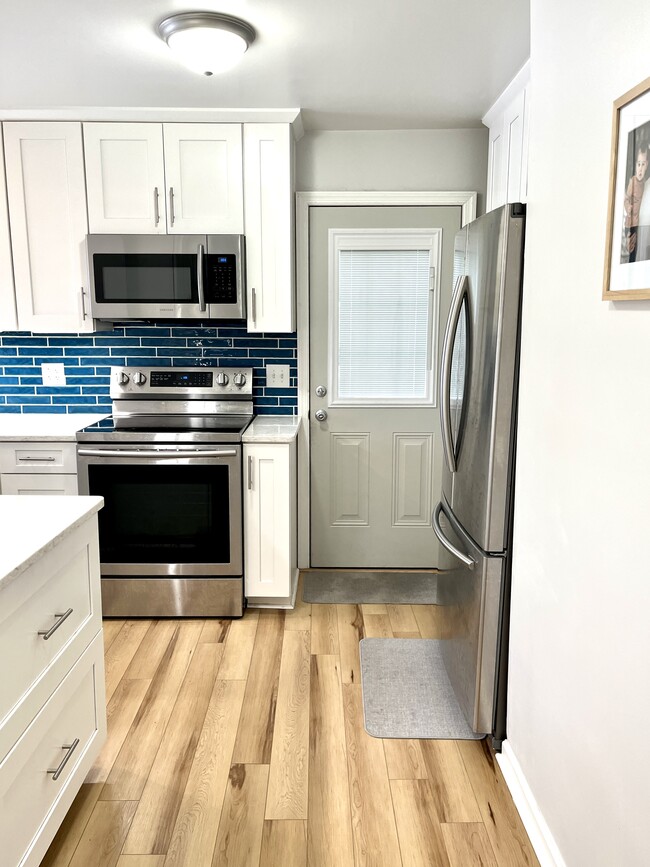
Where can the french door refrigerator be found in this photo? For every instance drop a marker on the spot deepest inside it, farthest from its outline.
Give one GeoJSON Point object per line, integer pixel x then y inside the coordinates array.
{"type": "Point", "coordinates": [473, 520]}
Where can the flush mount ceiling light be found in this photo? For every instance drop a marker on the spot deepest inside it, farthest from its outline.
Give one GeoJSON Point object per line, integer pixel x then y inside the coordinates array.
{"type": "Point", "coordinates": [206, 42]}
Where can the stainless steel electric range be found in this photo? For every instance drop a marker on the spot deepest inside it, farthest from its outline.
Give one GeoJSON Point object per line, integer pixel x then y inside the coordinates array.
{"type": "Point", "coordinates": [168, 463]}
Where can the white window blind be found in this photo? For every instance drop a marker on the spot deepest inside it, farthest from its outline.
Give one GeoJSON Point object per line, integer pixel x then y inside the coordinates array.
{"type": "Point", "coordinates": [384, 325]}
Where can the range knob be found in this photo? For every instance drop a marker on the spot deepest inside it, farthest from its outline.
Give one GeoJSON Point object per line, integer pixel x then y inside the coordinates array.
{"type": "Point", "coordinates": [239, 380]}
{"type": "Point", "coordinates": [122, 378]}
{"type": "Point", "coordinates": [222, 379]}
{"type": "Point", "coordinates": [139, 378]}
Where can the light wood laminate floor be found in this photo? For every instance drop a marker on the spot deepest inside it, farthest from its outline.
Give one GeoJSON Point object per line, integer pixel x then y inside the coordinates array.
{"type": "Point", "coordinates": [241, 744]}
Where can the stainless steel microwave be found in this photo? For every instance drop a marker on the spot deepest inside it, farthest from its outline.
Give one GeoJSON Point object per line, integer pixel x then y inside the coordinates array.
{"type": "Point", "coordinates": [166, 276]}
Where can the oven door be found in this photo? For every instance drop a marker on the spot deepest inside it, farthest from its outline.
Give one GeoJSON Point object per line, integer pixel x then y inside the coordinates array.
{"type": "Point", "coordinates": [169, 510]}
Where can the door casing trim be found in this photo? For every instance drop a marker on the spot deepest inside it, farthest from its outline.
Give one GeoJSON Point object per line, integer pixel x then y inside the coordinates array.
{"type": "Point", "coordinates": [466, 200]}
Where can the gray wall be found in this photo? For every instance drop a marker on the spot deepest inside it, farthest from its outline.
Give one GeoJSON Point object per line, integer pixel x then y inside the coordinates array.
{"type": "Point", "coordinates": [439, 159]}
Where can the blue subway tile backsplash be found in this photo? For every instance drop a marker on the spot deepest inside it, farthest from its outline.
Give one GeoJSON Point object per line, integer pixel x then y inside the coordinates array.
{"type": "Point", "coordinates": [88, 359]}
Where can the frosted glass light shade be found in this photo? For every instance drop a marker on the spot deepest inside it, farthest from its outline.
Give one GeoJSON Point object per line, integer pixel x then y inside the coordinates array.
{"type": "Point", "coordinates": [206, 42]}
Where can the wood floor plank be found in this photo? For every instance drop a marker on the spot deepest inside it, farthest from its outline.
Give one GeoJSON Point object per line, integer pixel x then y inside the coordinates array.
{"type": "Point", "coordinates": [432, 620]}
{"type": "Point", "coordinates": [120, 713]}
{"type": "Point", "coordinates": [151, 652]}
{"type": "Point", "coordinates": [141, 861]}
{"type": "Point", "coordinates": [324, 629]}
{"type": "Point", "coordinates": [238, 648]}
{"type": "Point", "coordinates": [452, 791]}
{"type": "Point", "coordinates": [299, 619]}
{"type": "Point", "coordinates": [67, 837]}
{"type": "Point", "coordinates": [255, 735]}
{"type": "Point", "coordinates": [284, 844]}
{"type": "Point", "coordinates": [468, 845]}
{"type": "Point", "coordinates": [289, 769]}
{"type": "Point", "coordinates": [377, 625]}
{"type": "Point", "coordinates": [351, 631]}
{"type": "Point", "coordinates": [111, 629]}
{"type": "Point", "coordinates": [158, 808]}
{"type": "Point", "coordinates": [502, 822]}
{"type": "Point", "coordinates": [420, 835]}
{"type": "Point", "coordinates": [374, 608]}
{"type": "Point", "coordinates": [195, 831]}
{"type": "Point", "coordinates": [404, 759]}
{"type": "Point", "coordinates": [122, 651]}
{"type": "Point", "coordinates": [215, 631]}
{"type": "Point", "coordinates": [329, 832]}
{"type": "Point", "coordinates": [103, 836]}
{"type": "Point", "coordinates": [402, 618]}
{"type": "Point", "coordinates": [373, 822]}
{"type": "Point", "coordinates": [130, 770]}
{"type": "Point", "coordinates": [239, 840]}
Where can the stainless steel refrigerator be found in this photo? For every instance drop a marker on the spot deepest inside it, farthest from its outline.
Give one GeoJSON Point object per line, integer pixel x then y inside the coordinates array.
{"type": "Point", "coordinates": [473, 520]}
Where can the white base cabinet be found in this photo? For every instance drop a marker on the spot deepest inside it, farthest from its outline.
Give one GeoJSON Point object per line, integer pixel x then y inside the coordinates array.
{"type": "Point", "coordinates": [52, 694]}
{"type": "Point", "coordinates": [38, 468]}
{"type": "Point", "coordinates": [270, 533]}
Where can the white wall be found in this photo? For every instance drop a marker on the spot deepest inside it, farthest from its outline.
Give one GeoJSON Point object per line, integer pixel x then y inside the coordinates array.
{"type": "Point", "coordinates": [439, 159]}
{"type": "Point", "coordinates": [579, 687]}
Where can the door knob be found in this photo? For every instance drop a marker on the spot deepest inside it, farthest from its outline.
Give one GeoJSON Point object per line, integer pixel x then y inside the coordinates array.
{"type": "Point", "coordinates": [321, 391]}
{"type": "Point", "coordinates": [321, 415]}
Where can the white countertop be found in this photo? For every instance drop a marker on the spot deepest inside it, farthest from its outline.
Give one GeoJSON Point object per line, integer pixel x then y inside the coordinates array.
{"type": "Point", "coordinates": [44, 426]}
{"type": "Point", "coordinates": [272, 429]}
{"type": "Point", "coordinates": [31, 526]}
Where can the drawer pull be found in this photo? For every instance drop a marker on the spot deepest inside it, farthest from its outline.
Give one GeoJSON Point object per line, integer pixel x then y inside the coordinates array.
{"type": "Point", "coordinates": [50, 632]}
{"type": "Point", "coordinates": [31, 458]}
{"type": "Point", "coordinates": [56, 772]}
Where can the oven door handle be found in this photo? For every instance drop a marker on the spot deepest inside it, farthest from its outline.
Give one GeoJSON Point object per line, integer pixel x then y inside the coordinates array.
{"type": "Point", "coordinates": [179, 453]}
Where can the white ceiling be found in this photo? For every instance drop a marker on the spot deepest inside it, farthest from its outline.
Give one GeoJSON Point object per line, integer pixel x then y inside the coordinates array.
{"type": "Point", "coordinates": [348, 64]}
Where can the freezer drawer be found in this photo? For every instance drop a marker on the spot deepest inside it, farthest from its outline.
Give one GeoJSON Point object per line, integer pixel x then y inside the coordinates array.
{"type": "Point", "coordinates": [469, 589]}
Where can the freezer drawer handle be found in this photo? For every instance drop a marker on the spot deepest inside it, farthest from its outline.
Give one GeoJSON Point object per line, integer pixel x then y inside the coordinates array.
{"type": "Point", "coordinates": [444, 541]}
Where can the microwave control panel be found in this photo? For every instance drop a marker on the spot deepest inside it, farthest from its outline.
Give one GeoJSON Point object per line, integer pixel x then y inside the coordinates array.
{"type": "Point", "coordinates": [221, 278]}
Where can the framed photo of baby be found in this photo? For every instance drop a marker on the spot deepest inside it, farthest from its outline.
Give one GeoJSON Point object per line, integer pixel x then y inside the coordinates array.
{"type": "Point", "coordinates": [627, 257]}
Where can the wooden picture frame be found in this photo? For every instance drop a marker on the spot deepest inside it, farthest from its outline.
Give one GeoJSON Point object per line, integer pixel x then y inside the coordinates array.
{"type": "Point", "coordinates": [627, 255]}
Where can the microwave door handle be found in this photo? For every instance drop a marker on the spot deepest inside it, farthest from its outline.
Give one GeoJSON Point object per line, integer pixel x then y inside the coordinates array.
{"type": "Point", "coordinates": [199, 277]}
{"type": "Point", "coordinates": [444, 541]}
{"type": "Point", "coordinates": [445, 372]}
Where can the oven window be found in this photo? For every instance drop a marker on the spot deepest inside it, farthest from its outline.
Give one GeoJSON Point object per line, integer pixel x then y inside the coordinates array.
{"type": "Point", "coordinates": [162, 514]}
{"type": "Point", "coordinates": [145, 277]}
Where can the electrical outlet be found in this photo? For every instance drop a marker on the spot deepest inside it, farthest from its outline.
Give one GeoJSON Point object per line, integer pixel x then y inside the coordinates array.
{"type": "Point", "coordinates": [277, 375]}
{"type": "Point", "coordinates": [53, 374]}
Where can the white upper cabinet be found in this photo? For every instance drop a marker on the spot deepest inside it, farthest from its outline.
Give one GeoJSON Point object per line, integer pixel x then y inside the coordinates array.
{"type": "Point", "coordinates": [508, 121]}
{"type": "Point", "coordinates": [47, 211]}
{"type": "Point", "coordinates": [150, 178]}
{"type": "Point", "coordinates": [268, 199]}
{"type": "Point", "coordinates": [7, 297]}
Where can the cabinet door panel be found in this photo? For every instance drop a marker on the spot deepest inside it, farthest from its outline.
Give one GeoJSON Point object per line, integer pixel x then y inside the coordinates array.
{"type": "Point", "coordinates": [203, 171]}
{"type": "Point", "coordinates": [268, 196]}
{"type": "Point", "coordinates": [125, 178]}
{"type": "Point", "coordinates": [38, 484]}
{"type": "Point", "coordinates": [47, 209]}
{"type": "Point", "coordinates": [7, 295]}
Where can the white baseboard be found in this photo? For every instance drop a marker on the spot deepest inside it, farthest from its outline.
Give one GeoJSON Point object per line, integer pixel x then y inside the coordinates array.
{"type": "Point", "coordinates": [540, 835]}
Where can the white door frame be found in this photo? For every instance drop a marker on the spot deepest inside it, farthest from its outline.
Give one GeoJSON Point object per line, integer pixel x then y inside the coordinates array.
{"type": "Point", "coordinates": [304, 201]}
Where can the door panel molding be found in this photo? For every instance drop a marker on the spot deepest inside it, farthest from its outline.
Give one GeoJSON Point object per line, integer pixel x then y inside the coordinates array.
{"type": "Point", "coordinates": [412, 477]}
{"type": "Point", "coordinates": [349, 479]}
{"type": "Point", "coordinates": [466, 200]}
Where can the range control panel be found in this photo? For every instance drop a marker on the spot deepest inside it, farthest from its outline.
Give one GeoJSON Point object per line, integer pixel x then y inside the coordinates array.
{"type": "Point", "coordinates": [178, 382]}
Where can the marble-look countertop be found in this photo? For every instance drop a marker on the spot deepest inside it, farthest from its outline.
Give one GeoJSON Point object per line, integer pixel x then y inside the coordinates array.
{"type": "Point", "coordinates": [31, 526]}
{"type": "Point", "coordinates": [45, 427]}
{"type": "Point", "coordinates": [272, 429]}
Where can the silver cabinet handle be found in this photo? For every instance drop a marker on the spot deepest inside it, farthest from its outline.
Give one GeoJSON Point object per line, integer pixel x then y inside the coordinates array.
{"type": "Point", "coordinates": [32, 458]}
{"type": "Point", "coordinates": [83, 303]}
{"type": "Point", "coordinates": [199, 278]}
{"type": "Point", "coordinates": [172, 216]}
{"type": "Point", "coordinates": [56, 772]}
{"type": "Point", "coordinates": [444, 541]}
{"type": "Point", "coordinates": [156, 207]}
{"type": "Point", "coordinates": [61, 618]}
{"type": "Point", "coordinates": [254, 305]}
{"type": "Point", "coordinates": [170, 455]}
{"type": "Point", "coordinates": [250, 472]}
{"type": "Point", "coordinates": [445, 372]}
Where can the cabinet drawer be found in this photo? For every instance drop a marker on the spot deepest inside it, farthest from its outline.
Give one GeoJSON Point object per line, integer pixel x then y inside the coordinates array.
{"type": "Point", "coordinates": [65, 580]}
{"type": "Point", "coordinates": [38, 458]}
{"type": "Point", "coordinates": [38, 483]}
{"type": "Point", "coordinates": [28, 791]}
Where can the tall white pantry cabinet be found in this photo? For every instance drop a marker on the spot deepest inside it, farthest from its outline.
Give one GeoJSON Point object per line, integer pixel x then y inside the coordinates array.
{"type": "Point", "coordinates": [66, 179]}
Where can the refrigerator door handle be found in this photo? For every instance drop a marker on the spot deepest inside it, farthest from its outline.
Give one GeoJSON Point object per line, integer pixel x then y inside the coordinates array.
{"type": "Point", "coordinates": [444, 541]}
{"type": "Point", "coordinates": [445, 371]}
